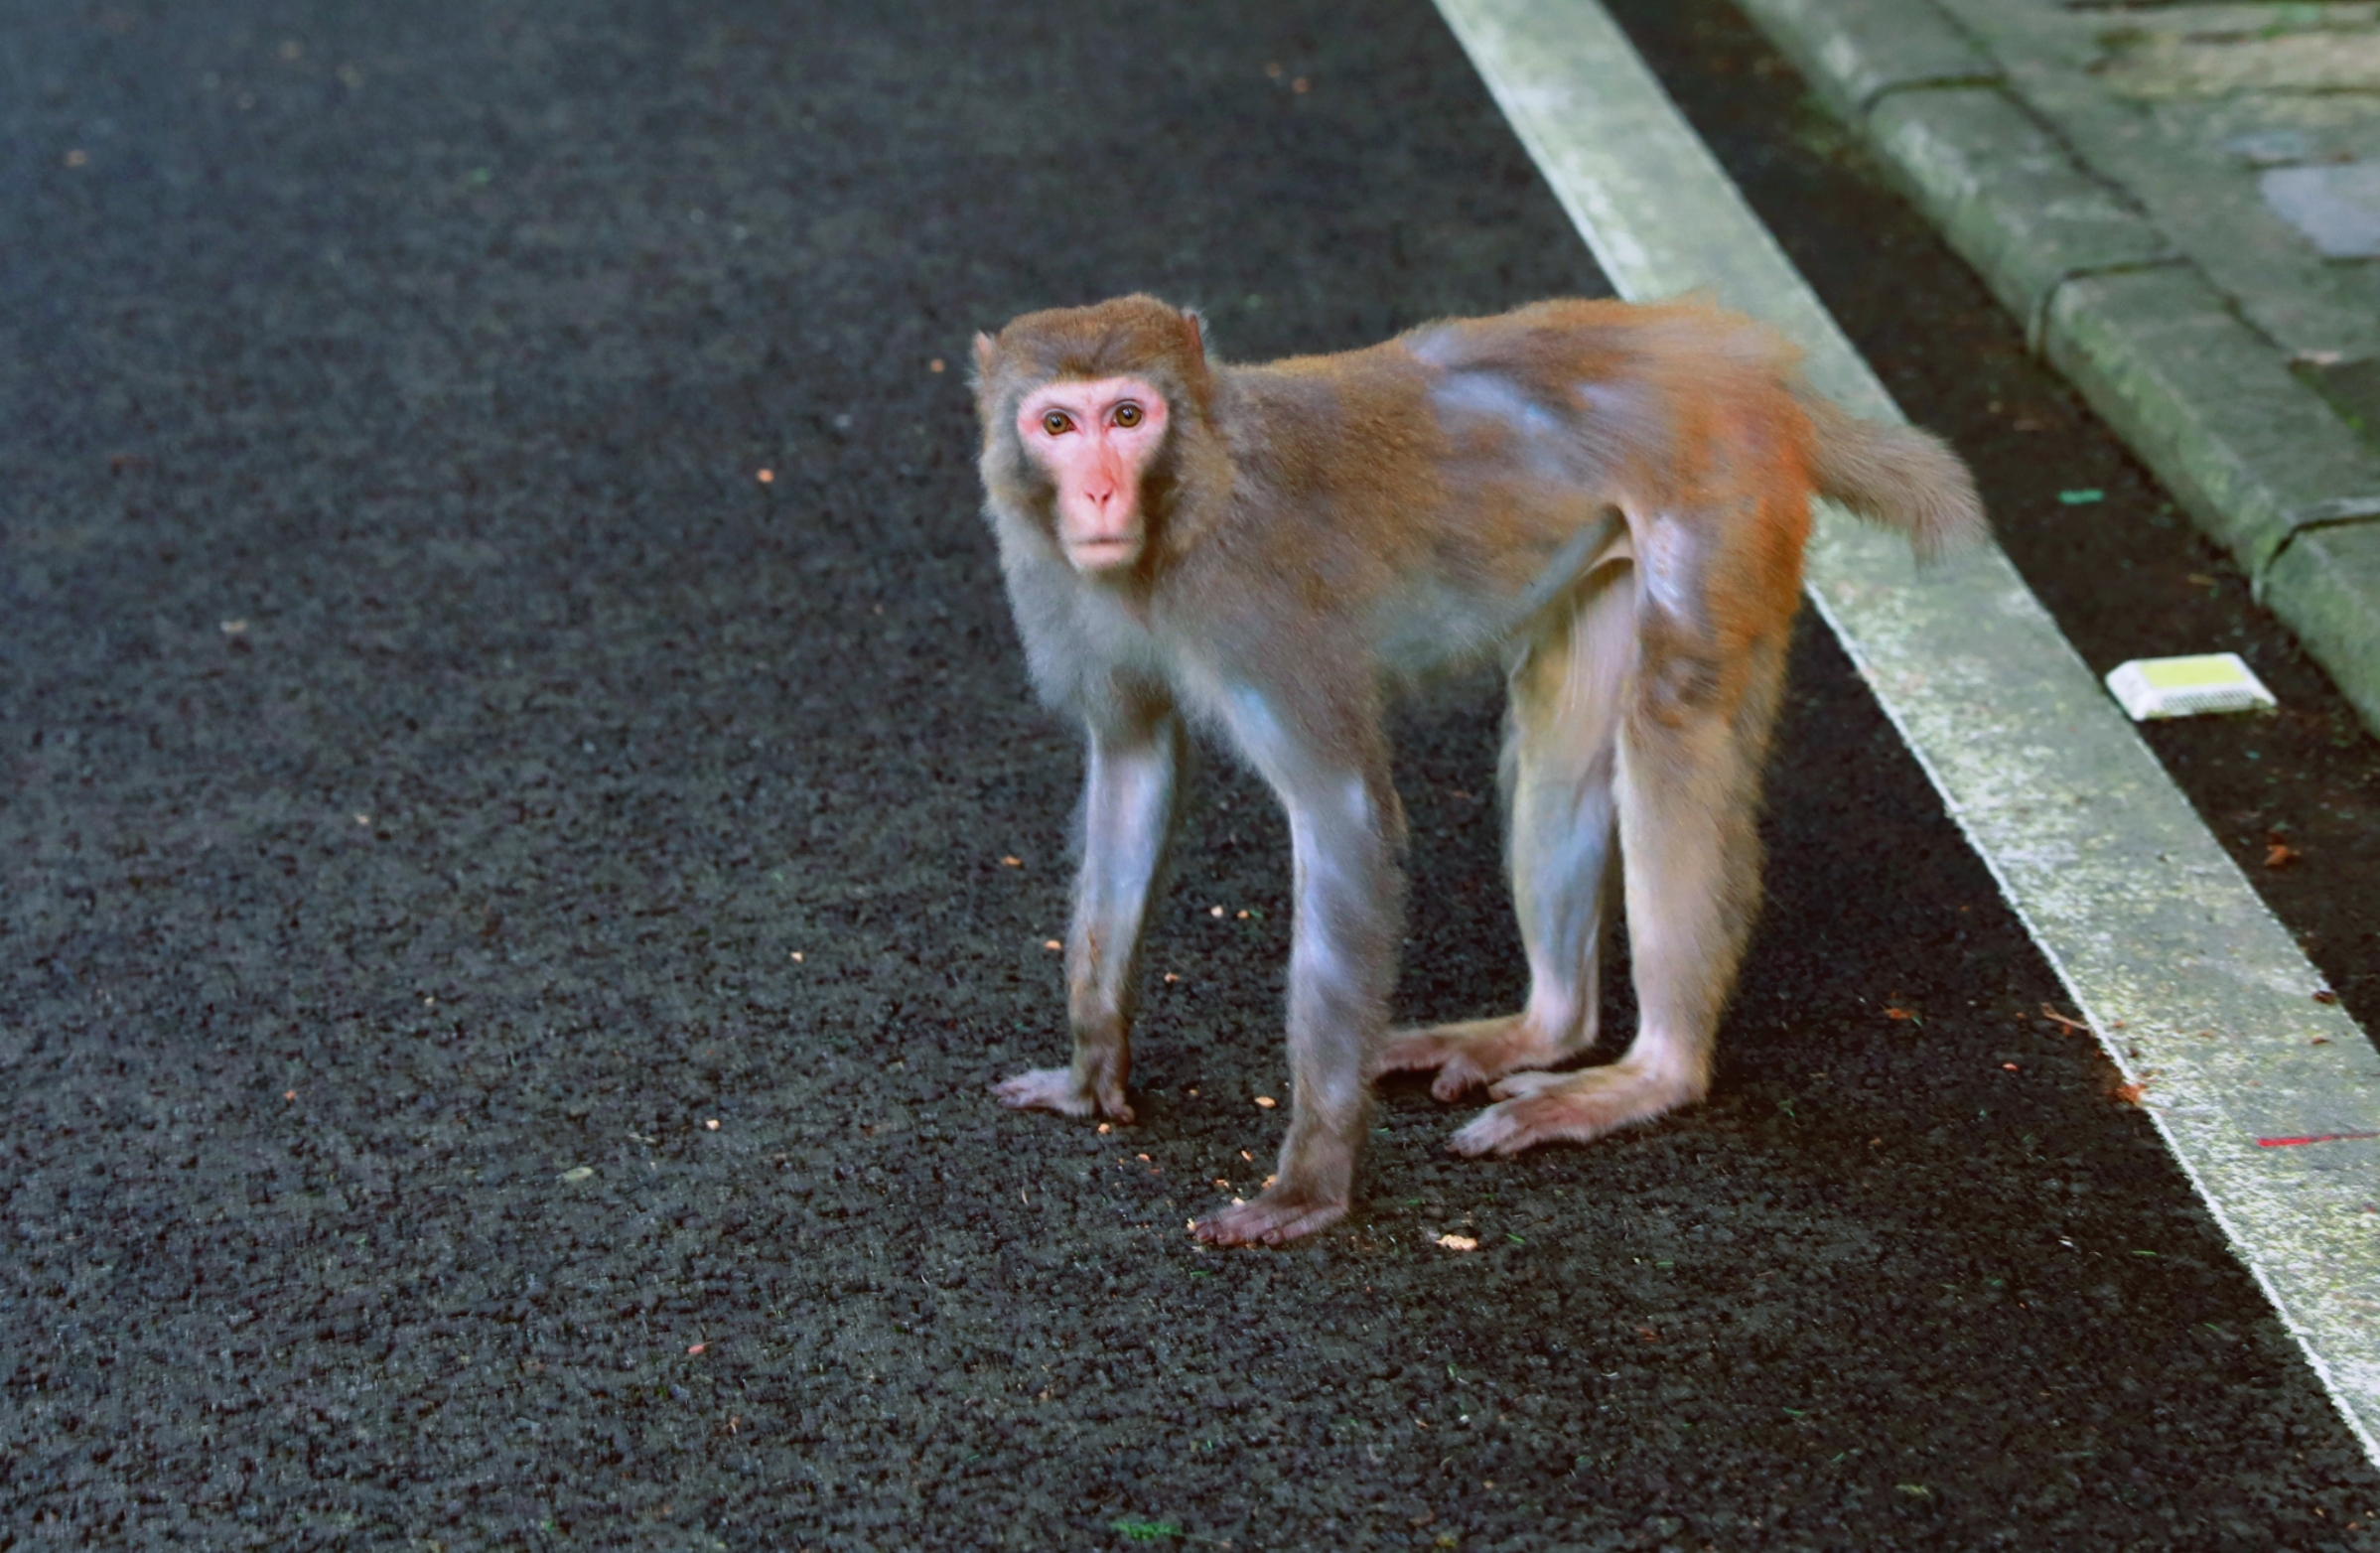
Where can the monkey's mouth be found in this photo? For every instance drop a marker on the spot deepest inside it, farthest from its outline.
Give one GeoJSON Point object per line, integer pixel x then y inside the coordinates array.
{"type": "Point", "coordinates": [1102, 556]}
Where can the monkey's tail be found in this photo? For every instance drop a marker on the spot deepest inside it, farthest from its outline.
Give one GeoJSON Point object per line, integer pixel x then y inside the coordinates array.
{"type": "Point", "coordinates": [1898, 477]}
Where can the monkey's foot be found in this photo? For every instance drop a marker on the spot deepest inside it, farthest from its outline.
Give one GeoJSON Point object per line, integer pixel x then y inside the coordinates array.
{"type": "Point", "coordinates": [1570, 1107]}
{"type": "Point", "coordinates": [1059, 1089]}
{"type": "Point", "coordinates": [1475, 1052]}
{"type": "Point", "coordinates": [1275, 1219]}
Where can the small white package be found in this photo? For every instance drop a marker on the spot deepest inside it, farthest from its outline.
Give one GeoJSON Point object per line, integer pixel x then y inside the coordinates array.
{"type": "Point", "coordinates": [2189, 686]}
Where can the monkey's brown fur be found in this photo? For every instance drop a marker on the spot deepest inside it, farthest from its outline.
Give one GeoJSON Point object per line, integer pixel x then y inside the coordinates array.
{"type": "Point", "coordinates": [1608, 501]}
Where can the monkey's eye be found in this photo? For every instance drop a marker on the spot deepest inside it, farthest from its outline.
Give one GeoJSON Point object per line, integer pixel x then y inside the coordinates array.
{"type": "Point", "coordinates": [1058, 423]}
{"type": "Point", "coordinates": [1128, 415]}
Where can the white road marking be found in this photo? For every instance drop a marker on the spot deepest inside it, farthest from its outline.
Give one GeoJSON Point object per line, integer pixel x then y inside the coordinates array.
{"type": "Point", "coordinates": [2155, 933]}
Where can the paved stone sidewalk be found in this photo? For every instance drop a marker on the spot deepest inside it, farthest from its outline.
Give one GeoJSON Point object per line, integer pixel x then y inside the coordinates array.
{"type": "Point", "coordinates": [2182, 204]}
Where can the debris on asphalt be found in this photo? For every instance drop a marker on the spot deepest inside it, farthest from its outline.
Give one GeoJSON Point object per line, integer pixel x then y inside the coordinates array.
{"type": "Point", "coordinates": [2190, 686]}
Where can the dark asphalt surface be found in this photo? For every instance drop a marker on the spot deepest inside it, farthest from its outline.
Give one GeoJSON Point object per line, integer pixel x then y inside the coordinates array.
{"type": "Point", "coordinates": [429, 745]}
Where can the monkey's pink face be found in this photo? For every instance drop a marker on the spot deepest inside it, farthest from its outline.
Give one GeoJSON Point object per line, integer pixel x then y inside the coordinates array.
{"type": "Point", "coordinates": [1095, 440]}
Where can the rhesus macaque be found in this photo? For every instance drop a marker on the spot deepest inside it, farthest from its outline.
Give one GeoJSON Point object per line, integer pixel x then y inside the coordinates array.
{"type": "Point", "coordinates": [1608, 501]}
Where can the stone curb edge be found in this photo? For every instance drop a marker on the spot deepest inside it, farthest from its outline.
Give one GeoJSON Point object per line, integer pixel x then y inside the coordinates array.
{"type": "Point", "coordinates": [2256, 455]}
{"type": "Point", "coordinates": [2135, 904]}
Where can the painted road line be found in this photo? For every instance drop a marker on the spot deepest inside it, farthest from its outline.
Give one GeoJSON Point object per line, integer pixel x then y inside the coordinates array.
{"type": "Point", "coordinates": [2269, 1098]}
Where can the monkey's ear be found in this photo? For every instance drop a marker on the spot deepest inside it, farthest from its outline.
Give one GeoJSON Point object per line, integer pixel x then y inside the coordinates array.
{"type": "Point", "coordinates": [1194, 339]}
{"type": "Point", "coordinates": [986, 348]}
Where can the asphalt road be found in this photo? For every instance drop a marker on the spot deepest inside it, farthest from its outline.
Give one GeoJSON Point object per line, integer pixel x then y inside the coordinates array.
{"type": "Point", "coordinates": [506, 925]}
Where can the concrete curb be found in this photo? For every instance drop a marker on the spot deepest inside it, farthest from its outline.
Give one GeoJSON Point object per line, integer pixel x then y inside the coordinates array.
{"type": "Point", "coordinates": [2269, 1098]}
{"type": "Point", "coordinates": [2259, 459]}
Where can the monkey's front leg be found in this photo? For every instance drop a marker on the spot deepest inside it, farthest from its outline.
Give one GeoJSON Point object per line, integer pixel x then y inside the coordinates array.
{"type": "Point", "coordinates": [1342, 964]}
{"type": "Point", "coordinates": [1127, 817]}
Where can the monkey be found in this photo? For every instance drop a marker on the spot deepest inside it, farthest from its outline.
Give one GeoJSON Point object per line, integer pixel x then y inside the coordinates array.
{"type": "Point", "coordinates": [1606, 501]}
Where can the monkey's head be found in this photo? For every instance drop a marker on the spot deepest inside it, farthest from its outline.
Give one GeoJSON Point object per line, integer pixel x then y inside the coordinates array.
{"type": "Point", "coordinates": [1086, 414]}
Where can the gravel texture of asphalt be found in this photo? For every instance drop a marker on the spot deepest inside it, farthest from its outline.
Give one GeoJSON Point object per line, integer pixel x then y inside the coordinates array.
{"type": "Point", "coordinates": [526, 843]}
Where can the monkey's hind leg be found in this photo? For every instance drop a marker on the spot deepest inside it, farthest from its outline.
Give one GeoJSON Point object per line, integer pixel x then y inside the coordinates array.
{"type": "Point", "coordinates": [1560, 747]}
{"type": "Point", "coordinates": [1688, 786]}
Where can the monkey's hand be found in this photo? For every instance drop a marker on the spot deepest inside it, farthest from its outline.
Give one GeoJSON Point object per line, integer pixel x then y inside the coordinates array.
{"type": "Point", "coordinates": [1475, 1052]}
{"type": "Point", "coordinates": [1570, 1107]}
{"type": "Point", "coordinates": [1068, 1092]}
{"type": "Point", "coordinates": [1277, 1218]}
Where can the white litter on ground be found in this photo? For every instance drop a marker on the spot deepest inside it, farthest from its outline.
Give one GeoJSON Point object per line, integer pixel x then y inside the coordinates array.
{"type": "Point", "coordinates": [2189, 686]}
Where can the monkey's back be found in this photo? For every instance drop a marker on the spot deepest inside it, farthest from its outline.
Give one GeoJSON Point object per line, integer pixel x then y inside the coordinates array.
{"type": "Point", "coordinates": [1447, 486]}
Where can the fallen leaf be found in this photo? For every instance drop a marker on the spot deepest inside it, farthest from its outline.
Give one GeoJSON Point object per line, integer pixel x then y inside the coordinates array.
{"type": "Point", "coordinates": [935, 365]}
{"type": "Point", "coordinates": [1459, 1243]}
{"type": "Point", "coordinates": [2279, 853]}
{"type": "Point", "coordinates": [712, 1123]}
{"type": "Point", "coordinates": [765, 477]}
{"type": "Point", "coordinates": [2131, 1095]}
{"type": "Point", "coordinates": [577, 1172]}
{"type": "Point", "coordinates": [1266, 1102]}
{"type": "Point", "coordinates": [696, 1347]}
{"type": "Point", "coordinates": [1051, 943]}
{"type": "Point", "coordinates": [2082, 498]}
{"type": "Point", "coordinates": [2324, 995]}
{"type": "Point", "coordinates": [1012, 862]}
